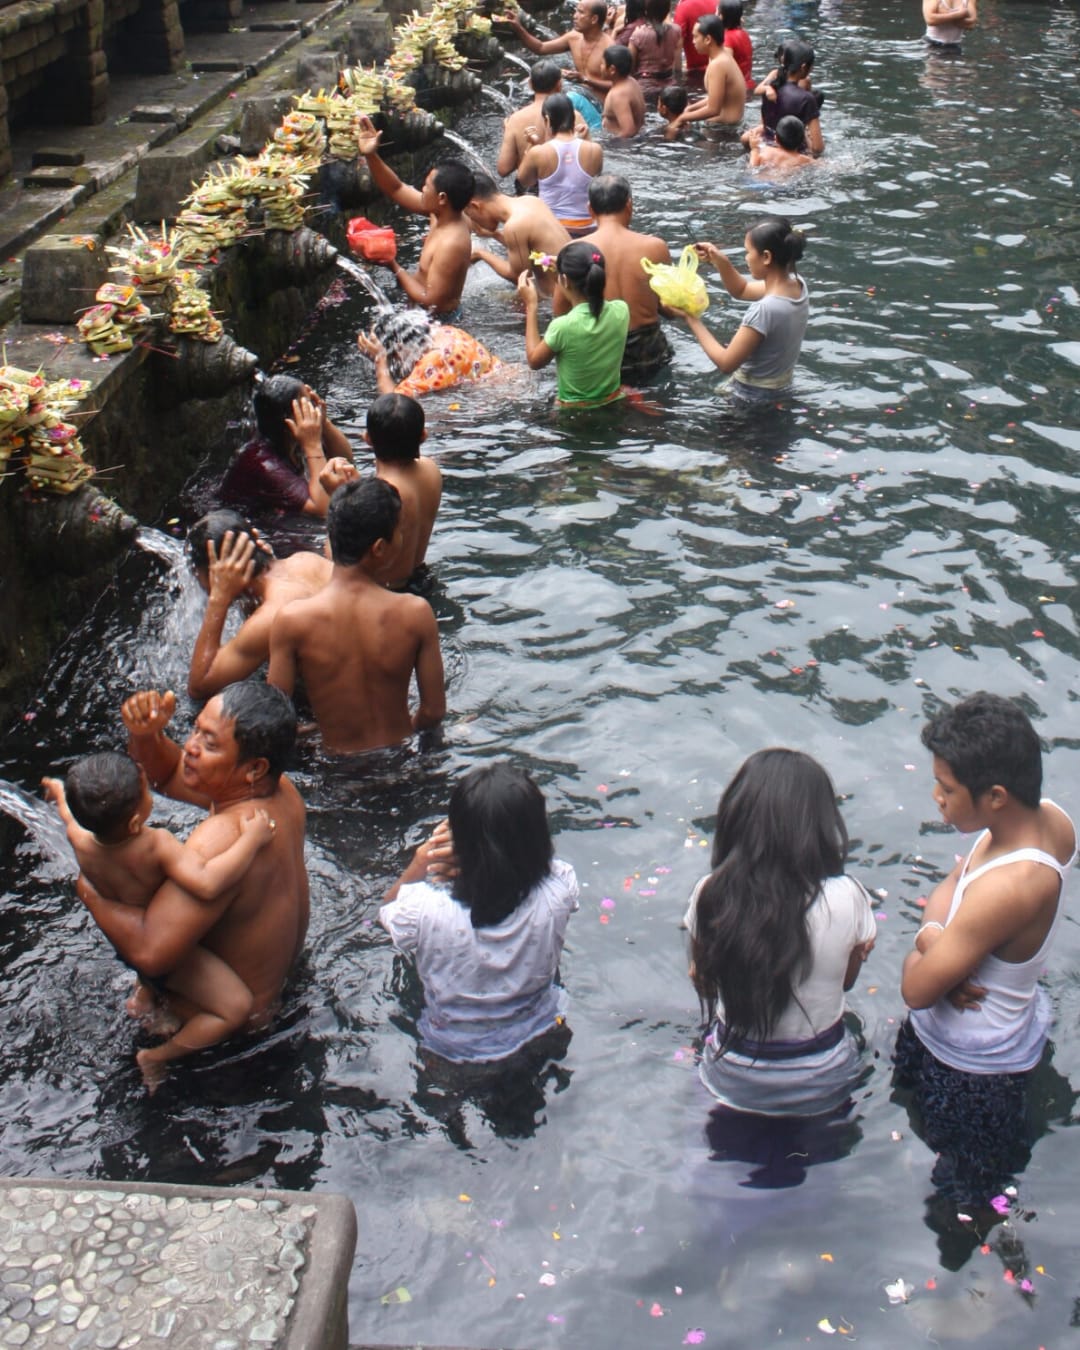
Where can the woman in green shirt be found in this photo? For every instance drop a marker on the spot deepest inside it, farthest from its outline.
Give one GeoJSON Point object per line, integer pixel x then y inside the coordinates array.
{"type": "Point", "coordinates": [587, 343]}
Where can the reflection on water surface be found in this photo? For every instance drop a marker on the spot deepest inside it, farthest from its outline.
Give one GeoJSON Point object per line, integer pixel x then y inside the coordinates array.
{"type": "Point", "coordinates": [632, 603]}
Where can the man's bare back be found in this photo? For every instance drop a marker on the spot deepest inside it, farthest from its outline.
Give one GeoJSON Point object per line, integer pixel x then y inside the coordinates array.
{"type": "Point", "coordinates": [420, 483]}
{"type": "Point", "coordinates": [623, 250]}
{"type": "Point", "coordinates": [355, 645]}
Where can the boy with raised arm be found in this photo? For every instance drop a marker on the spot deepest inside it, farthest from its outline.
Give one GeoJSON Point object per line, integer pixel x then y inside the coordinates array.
{"type": "Point", "coordinates": [439, 279]}
{"type": "Point", "coordinates": [979, 1020]}
{"type": "Point", "coordinates": [356, 644]}
{"type": "Point", "coordinates": [104, 803]}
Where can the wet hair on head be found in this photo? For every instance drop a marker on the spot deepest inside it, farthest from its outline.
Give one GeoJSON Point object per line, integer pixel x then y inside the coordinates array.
{"type": "Point", "coordinates": [775, 236]}
{"type": "Point", "coordinates": [778, 836]}
{"type": "Point", "coordinates": [502, 843]}
{"type": "Point", "coordinates": [674, 98]}
{"type": "Point", "coordinates": [272, 402]}
{"type": "Point", "coordinates": [656, 12]}
{"type": "Point", "coordinates": [264, 724]}
{"type": "Point", "coordinates": [608, 193]}
{"type": "Point", "coordinates": [988, 741]}
{"type": "Point", "coordinates": [582, 264]}
{"type": "Point", "coordinates": [559, 112]}
{"type": "Point", "coordinates": [711, 26]}
{"type": "Point", "coordinates": [790, 133]}
{"type": "Point", "coordinates": [395, 427]}
{"type": "Point", "coordinates": [731, 12]}
{"type": "Point", "coordinates": [361, 512]}
{"type": "Point", "coordinates": [618, 57]}
{"type": "Point", "coordinates": [405, 335]}
{"type": "Point", "coordinates": [545, 75]}
{"type": "Point", "coordinates": [791, 56]}
{"type": "Point", "coordinates": [104, 792]}
{"type": "Point", "coordinates": [634, 10]}
{"type": "Point", "coordinates": [212, 529]}
{"type": "Point", "coordinates": [456, 180]}
{"type": "Point", "coordinates": [484, 186]}
{"type": "Point", "coordinates": [597, 8]}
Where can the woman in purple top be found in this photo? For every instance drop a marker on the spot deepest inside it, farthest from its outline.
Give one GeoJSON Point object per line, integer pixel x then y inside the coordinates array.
{"type": "Point", "coordinates": [279, 470]}
{"type": "Point", "coordinates": [656, 46]}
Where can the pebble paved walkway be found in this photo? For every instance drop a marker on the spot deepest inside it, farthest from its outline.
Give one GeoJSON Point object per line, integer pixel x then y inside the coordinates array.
{"type": "Point", "coordinates": [107, 1270]}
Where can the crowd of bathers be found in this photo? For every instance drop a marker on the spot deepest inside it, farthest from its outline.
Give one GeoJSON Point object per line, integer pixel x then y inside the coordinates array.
{"type": "Point", "coordinates": [778, 930]}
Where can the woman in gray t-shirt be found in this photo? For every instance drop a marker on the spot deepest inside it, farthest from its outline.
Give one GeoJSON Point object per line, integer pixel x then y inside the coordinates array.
{"type": "Point", "coordinates": [761, 356]}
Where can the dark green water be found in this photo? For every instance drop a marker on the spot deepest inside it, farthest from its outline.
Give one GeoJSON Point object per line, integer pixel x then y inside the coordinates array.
{"type": "Point", "coordinates": [630, 604]}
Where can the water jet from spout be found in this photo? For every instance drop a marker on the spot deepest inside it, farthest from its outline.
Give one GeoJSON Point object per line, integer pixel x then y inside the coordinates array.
{"type": "Point", "coordinates": [364, 277]}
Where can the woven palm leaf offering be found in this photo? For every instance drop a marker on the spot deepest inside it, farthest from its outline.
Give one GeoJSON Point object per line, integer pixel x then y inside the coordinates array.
{"type": "Point", "coordinates": [149, 261]}
{"type": "Point", "coordinates": [33, 429]}
{"type": "Point", "coordinates": [190, 314]}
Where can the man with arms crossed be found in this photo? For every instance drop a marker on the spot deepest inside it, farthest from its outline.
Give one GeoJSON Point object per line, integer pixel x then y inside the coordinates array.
{"type": "Point", "coordinates": [356, 644]}
{"type": "Point", "coordinates": [233, 758]}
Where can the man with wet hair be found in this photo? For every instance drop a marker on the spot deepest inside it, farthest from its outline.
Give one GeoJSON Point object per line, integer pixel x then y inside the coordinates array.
{"type": "Point", "coordinates": [356, 644]}
{"type": "Point", "coordinates": [725, 88]}
{"type": "Point", "coordinates": [610, 200]}
{"type": "Point", "coordinates": [279, 470]}
{"type": "Point", "coordinates": [439, 279]}
{"type": "Point", "coordinates": [624, 106]}
{"type": "Point", "coordinates": [395, 432]}
{"type": "Point", "coordinates": [979, 1020]}
{"type": "Point", "coordinates": [231, 564]}
{"type": "Point", "coordinates": [234, 757]}
{"type": "Point", "coordinates": [525, 127]}
{"type": "Point", "coordinates": [586, 42]}
{"type": "Point", "coordinates": [527, 227]}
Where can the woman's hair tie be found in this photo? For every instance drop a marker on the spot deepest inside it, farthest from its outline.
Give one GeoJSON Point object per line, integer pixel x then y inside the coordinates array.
{"type": "Point", "coordinates": [597, 258]}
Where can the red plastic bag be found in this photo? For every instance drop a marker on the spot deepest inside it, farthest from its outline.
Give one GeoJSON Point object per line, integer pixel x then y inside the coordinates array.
{"type": "Point", "coordinates": [372, 242]}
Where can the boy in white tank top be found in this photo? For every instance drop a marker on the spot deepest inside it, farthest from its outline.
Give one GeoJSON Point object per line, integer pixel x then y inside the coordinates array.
{"type": "Point", "coordinates": [979, 1021]}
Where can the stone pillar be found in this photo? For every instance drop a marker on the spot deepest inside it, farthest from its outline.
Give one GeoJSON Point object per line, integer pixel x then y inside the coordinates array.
{"type": "Point", "coordinates": [153, 39]}
{"type": "Point", "coordinates": [88, 95]}
{"type": "Point", "coordinates": [5, 135]}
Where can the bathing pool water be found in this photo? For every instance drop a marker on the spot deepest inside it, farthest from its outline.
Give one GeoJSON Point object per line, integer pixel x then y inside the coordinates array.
{"type": "Point", "coordinates": [630, 602]}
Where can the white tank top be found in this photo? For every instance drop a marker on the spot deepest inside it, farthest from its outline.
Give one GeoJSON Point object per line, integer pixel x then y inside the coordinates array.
{"type": "Point", "coordinates": [1006, 1034]}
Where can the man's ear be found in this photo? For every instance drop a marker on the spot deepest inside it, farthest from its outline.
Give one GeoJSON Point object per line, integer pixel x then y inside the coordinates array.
{"type": "Point", "coordinates": [997, 797]}
{"type": "Point", "coordinates": [255, 769]}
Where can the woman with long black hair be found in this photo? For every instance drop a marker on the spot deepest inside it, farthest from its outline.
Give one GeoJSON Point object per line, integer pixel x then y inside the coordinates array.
{"type": "Point", "coordinates": [778, 934]}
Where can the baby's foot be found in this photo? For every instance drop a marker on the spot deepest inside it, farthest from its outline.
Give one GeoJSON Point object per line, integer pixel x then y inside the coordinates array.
{"type": "Point", "coordinates": [153, 1070]}
{"type": "Point", "coordinates": [141, 1001]}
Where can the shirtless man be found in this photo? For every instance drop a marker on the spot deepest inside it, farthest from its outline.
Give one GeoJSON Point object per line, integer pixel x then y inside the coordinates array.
{"type": "Point", "coordinates": [395, 432]}
{"type": "Point", "coordinates": [725, 88]}
{"type": "Point", "coordinates": [525, 225]}
{"type": "Point", "coordinates": [440, 274]}
{"type": "Point", "coordinates": [947, 21]}
{"type": "Point", "coordinates": [624, 106]}
{"type": "Point", "coordinates": [231, 565]}
{"type": "Point", "coordinates": [233, 758]}
{"type": "Point", "coordinates": [355, 645]}
{"type": "Point", "coordinates": [647, 348]}
{"type": "Point", "coordinates": [586, 42]}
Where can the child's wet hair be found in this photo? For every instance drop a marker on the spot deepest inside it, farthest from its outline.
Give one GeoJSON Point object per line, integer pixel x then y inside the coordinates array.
{"type": "Point", "coordinates": [775, 235]}
{"type": "Point", "coordinates": [582, 264]}
{"type": "Point", "coordinates": [212, 529]}
{"type": "Point", "coordinates": [104, 792]}
{"type": "Point", "coordinates": [790, 133]}
{"type": "Point", "coordinates": [395, 427]}
{"type": "Point", "coordinates": [988, 741]}
{"type": "Point", "coordinates": [619, 59]}
{"type": "Point", "coordinates": [502, 842]}
{"type": "Point", "coordinates": [673, 99]}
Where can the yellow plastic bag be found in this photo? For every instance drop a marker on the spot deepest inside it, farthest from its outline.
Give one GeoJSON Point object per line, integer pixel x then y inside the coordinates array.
{"type": "Point", "coordinates": [678, 284]}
